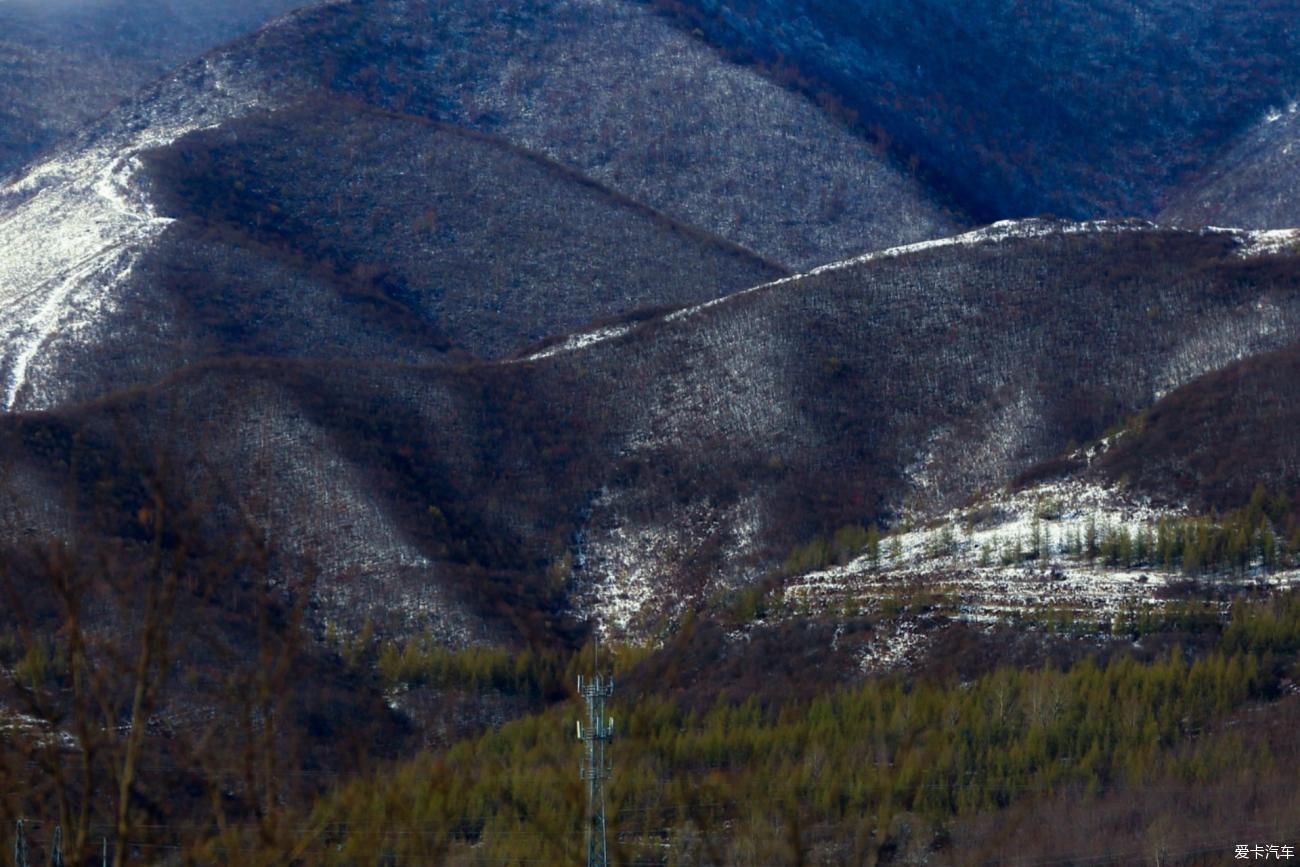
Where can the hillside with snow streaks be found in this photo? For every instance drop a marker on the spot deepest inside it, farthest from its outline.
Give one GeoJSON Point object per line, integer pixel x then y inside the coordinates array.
{"type": "Point", "coordinates": [620, 94]}
{"type": "Point", "coordinates": [76, 223]}
{"type": "Point", "coordinates": [367, 377]}
{"type": "Point", "coordinates": [92, 268]}
{"type": "Point", "coordinates": [690, 451]}
{"type": "Point", "coordinates": [904, 381]}
{"type": "Point", "coordinates": [649, 464]}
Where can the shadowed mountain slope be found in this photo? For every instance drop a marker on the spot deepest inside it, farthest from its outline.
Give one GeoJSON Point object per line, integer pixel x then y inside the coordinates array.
{"type": "Point", "coordinates": [63, 64]}
{"type": "Point", "coordinates": [691, 450]}
{"type": "Point", "coordinates": [1255, 184]}
{"type": "Point", "coordinates": [1210, 442]}
{"type": "Point", "coordinates": [495, 245]}
{"type": "Point", "coordinates": [1082, 108]}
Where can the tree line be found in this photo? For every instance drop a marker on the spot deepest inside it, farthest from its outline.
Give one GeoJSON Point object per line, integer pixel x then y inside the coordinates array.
{"type": "Point", "coordinates": [866, 771]}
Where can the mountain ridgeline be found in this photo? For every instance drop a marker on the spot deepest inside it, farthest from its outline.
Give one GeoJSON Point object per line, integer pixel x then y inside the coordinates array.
{"type": "Point", "coordinates": [357, 373]}
{"type": "Point", "coordinates": [693, 448]}
{"type": "Point", "coordinates": [485, 314]}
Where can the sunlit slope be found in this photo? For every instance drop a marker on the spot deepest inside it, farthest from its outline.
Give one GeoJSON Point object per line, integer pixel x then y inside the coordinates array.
{"type": "Point", "coordinates": [317, 190]}
{"type": "Point", "coordinates": [1252, 184]}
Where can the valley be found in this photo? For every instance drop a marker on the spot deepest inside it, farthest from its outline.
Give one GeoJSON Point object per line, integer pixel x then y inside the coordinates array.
{"type": "Point", "coordinates": [372, 375]}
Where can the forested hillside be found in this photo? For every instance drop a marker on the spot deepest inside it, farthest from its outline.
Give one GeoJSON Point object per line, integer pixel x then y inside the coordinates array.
{"type": "Point", "coordinates": [1116, 761]}
{"type": "Point", "coordinates": [64, 64]}
{"type": "Point", "coordinates": [1071, 107]}
{"type": "Point", "coordinates": [693, 449]}
{"type": "Point", "coordinates": [368, 380]}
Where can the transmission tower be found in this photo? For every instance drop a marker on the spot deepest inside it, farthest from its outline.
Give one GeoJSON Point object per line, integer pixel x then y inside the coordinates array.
{"type": "Point", "coordinates": [20, 845]}
{"type": "Point", "coordinates": [595, 737]}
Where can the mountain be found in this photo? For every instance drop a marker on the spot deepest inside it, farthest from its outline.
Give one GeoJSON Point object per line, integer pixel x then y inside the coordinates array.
{"type": "Point", "coordinates": [692, 449]}
{"type": "Point", "coordinates": [614, 91]}
{"type": "Point", "coordinates": [1252, 184]}
{"type": "Point", "coordinates": [190, 221]}
{"type": "Point", "coordinates": [1080, 109]}
{"type": "Point", "coordinates": [66, 63]}
{"type": "Point", "coordinates": [493, 245]}
{"type": "Point", "coordinates": [371, 378]}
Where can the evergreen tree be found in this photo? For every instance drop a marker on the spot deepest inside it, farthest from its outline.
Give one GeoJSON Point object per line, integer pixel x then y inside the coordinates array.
{"type": "Point", "coordinates": [1124, 547]}
{"type": "Point", "coordinates": [1267, 548]}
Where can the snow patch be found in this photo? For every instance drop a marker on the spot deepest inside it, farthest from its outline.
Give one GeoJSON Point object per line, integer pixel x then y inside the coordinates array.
{"type": "Point", "coordinates": [975, 555]}
{"type": "Point", "coordinates": [1276, 114]}
{"type": "Point", "coordinates": [578, 341]}
{"type": "Point", "coordinates": [888, 652]}
{"type": "Point", "coordinates": [959, 559]}
{"type": "Point", "coordinates": [78, 224]}
{"type": "Point", "coordinates": [625, 567]}
{"type": "Point", "coordinates": [71, 305]}
{"type": "Point", "coordinates": [15, 721]}
{"type": "Point", "coordinates": [1270, 242]}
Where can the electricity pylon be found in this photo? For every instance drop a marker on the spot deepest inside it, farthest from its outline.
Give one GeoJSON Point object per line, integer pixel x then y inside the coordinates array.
{"type": "Point", "coordinates": [20, 845]}
{"type": "Point", "coordinates": [595, 737]}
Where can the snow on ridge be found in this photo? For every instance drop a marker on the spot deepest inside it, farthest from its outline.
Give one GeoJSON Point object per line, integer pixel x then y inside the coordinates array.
{"type": "Point", "coordinates": [1253, 243]}
{"type": "Point", "coordinates": [79, 222]}
{"type": "Point", "coordinates": [1003, 230]}
{"type": "Point", "coordinates": [998, 232]}
{"type": "Point", "coordinates": [577, 341]}
{"type": "Point", "coordinates": [1268, 241]}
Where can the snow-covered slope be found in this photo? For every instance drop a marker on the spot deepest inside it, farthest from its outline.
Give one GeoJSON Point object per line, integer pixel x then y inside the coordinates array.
{"type": "Point", "coordinates": [78, 226]}
{"type": "Point", "coordinates": [73, 225]}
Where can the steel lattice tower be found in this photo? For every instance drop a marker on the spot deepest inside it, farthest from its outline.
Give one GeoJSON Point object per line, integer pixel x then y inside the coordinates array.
{"type": "Point", "coordinates": [20, 845]}
{"type": "Point", "coordinates": [595, 737]}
